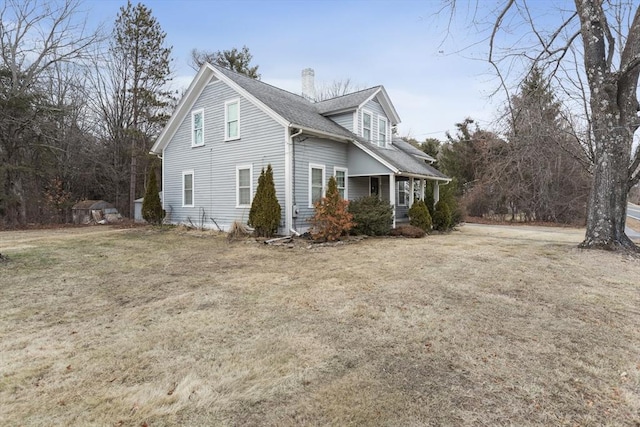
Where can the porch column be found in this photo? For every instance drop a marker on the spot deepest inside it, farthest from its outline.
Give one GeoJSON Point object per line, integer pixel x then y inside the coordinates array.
{"type": "Point", "coordinates": [422, 189]}
{"type": "Point", "coordinates": [411, 191]}
{"type": "Point", "coordinates": [392, 196]}
{"type": "Point", "coordinates": [436, 193]}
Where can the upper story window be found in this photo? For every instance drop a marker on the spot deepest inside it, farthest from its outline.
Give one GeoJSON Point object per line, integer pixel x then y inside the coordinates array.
{"type": "Point", "coordinates": [316, 183]}
{"type": "Point", "coordinates": [366, 126]}
{"type": "Point", "coordinates": [197, 128]}
{"type": "Point", "coordinates": [187, 188]}
{"type": "Point", "coordinates": [341, 181]}
{"type": "Point", "coordinates": [232, 119]}
{"type": "Point", "coordinates": [382, 132]}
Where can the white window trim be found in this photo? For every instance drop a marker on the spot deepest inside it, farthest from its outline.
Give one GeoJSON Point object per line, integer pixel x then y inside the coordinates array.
{"type": "Point", "coordinates": [193, 136]}
{"type": "Point", "coordinates": [226, 119]}
{"type": "Point", "coordinates": [324, 181]}
{"type": "Point", "coordinates": [346, 180]}
{"type": "Point", "coordinates": [406, 194]}
{"type": "Point", "coordinates": [193, 188]}
{"type": "Point", "coordinates": [386, 131]}
{"type": "Point", "coordinates": [238, 168]}
{"type": "Point", "coordinates": [370, 114]}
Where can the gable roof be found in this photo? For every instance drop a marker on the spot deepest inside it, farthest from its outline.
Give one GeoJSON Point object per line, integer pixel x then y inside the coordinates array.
{"type": "Point", "coordinates": [346, 102]}
{"type": "Point", "coordinates": [355, 100]}
{"type": "Point", "coordinates": [295, 111]}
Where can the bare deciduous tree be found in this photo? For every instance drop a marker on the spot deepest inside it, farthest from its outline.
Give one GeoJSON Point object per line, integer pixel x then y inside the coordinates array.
{"type": "Point", "coordinates": [36, 37]}
{"type": "Point", "coordinates": [604, 37]}
{"type": "Point", "coordinates": [336, 88]}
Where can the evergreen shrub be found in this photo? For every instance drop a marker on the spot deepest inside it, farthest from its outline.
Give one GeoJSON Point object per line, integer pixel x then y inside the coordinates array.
{"type": "Point", "coordinates": [265, 211]}
{"type": "Point", "coordinates": [152, 210]}
{"type": "Point", "coordinates": [419, 216]}
{"type": "Point", "coordinates": [442, 216]}
{"type": "Point", "coordinates": [372, 216]}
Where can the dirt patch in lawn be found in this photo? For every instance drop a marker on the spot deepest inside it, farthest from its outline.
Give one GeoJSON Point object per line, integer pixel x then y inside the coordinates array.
{"type": "Point", "coordinates": [487, 325]}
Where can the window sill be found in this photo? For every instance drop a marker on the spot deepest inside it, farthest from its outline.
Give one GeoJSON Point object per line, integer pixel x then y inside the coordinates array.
{"type": "Point", "coordinates": [196, 146]}
{"type": "Point", "coordinates": [231, 139]}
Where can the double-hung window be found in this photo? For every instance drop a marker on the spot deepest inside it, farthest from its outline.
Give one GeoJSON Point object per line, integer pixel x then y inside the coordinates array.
{"type": "Point", "coordinates": [316, 183]}
{"type": "Point", "coordinates": [366, 126]}
{"type": "Point", "coordinates": [341, 181]}
{"type": "Point", "coordinates": [187, 189]}
{"type": "Point", "coordinates": [197, 128]}
{"type": "Point", "coordinates": [232, 119]}
{"type": "Point", "coordinates": [244, 187]}
{"type": "Point", "coordinates": [403, 193]}
{"type": "Point", "coordinates": [382, 132]}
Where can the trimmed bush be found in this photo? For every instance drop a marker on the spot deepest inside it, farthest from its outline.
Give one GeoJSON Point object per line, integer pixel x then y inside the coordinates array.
{"type": "Point", "coordinates": [152, 210]}
{"type": "Point", "coordinates": [331, 219]}
{"type": "Point", "coordinates": [372, 216]}
{"type": "Point", "coordinates": [442, 217]}
{"type": "Point", "coordinates": [265, 212]}
{"type": "Point", "coordinates": [408, 231]}
{"type": "Point", "coordinates": [419, 216]}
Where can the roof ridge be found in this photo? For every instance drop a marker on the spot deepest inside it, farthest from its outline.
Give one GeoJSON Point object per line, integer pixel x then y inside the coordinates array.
{"type": "Point", "coordinates": [349, 94]}
{"type": "Point", "coordinates": [244, 76]}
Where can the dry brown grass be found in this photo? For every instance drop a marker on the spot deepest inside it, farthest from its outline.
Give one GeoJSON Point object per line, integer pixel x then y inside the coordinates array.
{"type": "Point", "coordinates": [488, 325]}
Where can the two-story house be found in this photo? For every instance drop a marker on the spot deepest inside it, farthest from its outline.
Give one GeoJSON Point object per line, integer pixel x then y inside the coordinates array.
{"type": "Point", "coordinates": [227, 127]}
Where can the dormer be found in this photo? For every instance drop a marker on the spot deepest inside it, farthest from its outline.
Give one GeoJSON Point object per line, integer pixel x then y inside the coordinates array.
{"type": "Point", "coordinates": [367, 113]}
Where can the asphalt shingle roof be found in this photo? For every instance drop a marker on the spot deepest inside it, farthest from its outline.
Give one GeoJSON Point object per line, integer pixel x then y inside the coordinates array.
{"type": "Point", "coordinates": [345, 102]}
{"type": "Point", "coordinates": [293, 108]}
{"type": "Point", "coordinates": [303, 113]}
{"type": "Point", "coordinates": [404, 161]}
{"type": "Point", "coordinates": [405, 146]}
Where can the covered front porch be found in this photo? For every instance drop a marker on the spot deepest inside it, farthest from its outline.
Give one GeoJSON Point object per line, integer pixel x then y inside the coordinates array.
{"type": "Point", "coordinates": [400, 190]}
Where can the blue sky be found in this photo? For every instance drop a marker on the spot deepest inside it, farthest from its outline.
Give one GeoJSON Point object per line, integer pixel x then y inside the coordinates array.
{"type": "Point", "coordinates": [397, 44]}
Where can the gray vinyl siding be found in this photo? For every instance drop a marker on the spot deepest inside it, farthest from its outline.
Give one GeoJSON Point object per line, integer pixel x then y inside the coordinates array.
{"type": "Point", "coordinates": [358, 187]}
{"type": "Point", "coordinates": [360, 163]}
{"type": "Point", "coordinates": [345, 120]}
{"type": "Point", "coordinates": [314, 151]}
{"type": "Point", "coordinates": [214, 164]}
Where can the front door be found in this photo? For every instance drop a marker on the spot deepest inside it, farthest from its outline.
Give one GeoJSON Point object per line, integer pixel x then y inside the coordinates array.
{"type": "Point", "coordinates": [374, 186]}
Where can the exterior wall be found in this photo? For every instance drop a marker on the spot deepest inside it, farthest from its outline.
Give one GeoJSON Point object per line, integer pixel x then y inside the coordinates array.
{"type": "Point", "coordinates": [358, 187]}
{"type": "Point", "coordinates": [360, 163]}
{"type": "Point", "coordinates": [345, 120]}
{"type": "Point", "coordinates": [214, 164]}
{"type": "Point", "coordinates": [314, 151]}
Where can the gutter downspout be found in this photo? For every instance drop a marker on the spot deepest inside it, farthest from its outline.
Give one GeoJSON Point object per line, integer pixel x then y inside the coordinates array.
{"type": "Point", "coordinates": [289, 167]}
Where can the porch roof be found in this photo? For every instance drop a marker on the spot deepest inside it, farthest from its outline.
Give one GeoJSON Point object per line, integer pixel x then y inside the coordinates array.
{"type": "Point", "coordinates": [403, 162]}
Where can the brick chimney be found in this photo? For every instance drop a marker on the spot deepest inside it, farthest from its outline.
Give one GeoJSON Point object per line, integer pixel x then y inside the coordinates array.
{"type": "Point", "coordinates": [308, 84]}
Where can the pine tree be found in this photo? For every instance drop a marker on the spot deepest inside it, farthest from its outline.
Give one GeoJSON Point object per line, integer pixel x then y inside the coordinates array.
{"type": "Point", "coordinates": [331, 219]}
{"type": "Point", "coordinates": [265, 211]}
{"type": "Point", "coordinates": [152, 210]}
{"type": "Point", "coordinates": [143, 67]}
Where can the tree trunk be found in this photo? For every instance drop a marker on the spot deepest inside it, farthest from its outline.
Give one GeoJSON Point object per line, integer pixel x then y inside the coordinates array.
{"type": "Point", "coordinates": [613, 106]}
{"type": "Point", "coordinates": [606, 212]}
{"type": "Point", "coordinates": [132, 182]}
{"type": "Point", "coordinates": [607, 209]}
